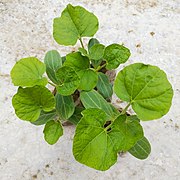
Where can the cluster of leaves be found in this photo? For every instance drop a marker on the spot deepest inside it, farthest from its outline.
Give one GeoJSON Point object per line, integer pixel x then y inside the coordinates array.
{"type": "Point", "coordinates": [82, 91]}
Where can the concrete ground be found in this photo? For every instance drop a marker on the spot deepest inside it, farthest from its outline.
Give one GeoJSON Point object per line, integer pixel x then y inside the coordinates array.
{"type": "Point", "coordinates": [150, 28]}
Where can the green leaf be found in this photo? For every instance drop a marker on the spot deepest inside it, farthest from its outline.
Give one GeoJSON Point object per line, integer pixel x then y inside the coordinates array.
{"type": "Point", "coordinates": [53, 62]}
{"type": "Point", "coordinates": [27, 72]}
{"type": "Point", "coordinates": [65, 106]}
{"type": "Point", "coordinates": [75, 22]}
{"type": "Point", "coordinates": [28, 102]}
{"type": "Point", "coordinates": [104, 86]}
{"type": "Point", "coordinates": [147, 88]}
{"type": "Point", "coordinates": [96, 52]}
{"type": "Point", "coordinates": [92, 42]}
{"type": "Point", "coordinates": [115, 55]}
{"type": "Point", "coordinates": [97, 145]}
{"type": "Point", "coordinates": [52, 131]}
{"type": "Point", "coordinates": [68, 80]}
{"type": "Point", "coordinates": [77, 61]}
{"type": "Point", "coordinates": [88, 79]}
{"type": "Point", "coordinates": [75, 118]}
{"type": "Point", "coordinates": [45, 117]}
{"type": "Point", "coordinates": [83, 52]}
{"type": "Point", "coordinates": [93, 99]}
{"type": "Point", "coordinates": [141, 149]}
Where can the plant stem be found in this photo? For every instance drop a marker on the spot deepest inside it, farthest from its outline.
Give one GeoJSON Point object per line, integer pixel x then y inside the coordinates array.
{"type": "Point", "coordinates": [51, 84]}
{"type": "Point", "coordinates": [100, 67]}
{"type": "Point", "coordinates": [125, 109]}
{"type": "Point", "coordinates": [81, 43]}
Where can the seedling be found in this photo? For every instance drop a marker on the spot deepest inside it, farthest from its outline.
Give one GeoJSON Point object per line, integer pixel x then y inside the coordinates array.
{"type": "Point", "coordinates": [82, 92]}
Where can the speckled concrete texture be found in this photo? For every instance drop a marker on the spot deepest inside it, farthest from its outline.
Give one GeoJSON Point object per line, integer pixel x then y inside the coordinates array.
{"type": "Point", "coordinates": [150, 28]}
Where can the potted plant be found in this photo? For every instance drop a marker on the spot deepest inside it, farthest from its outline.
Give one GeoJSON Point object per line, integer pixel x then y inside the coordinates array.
{"type": "Point", "coordinates": [82, 93]}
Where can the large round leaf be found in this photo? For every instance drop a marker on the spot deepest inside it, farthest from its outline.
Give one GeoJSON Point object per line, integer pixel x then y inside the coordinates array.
{"type": "Point", "coordinates": [28, 102]}
{"type": "Point", "coordinates": [28, 72]}
{"type": "Point", "coordinates": [68, 80]}
{"type": "Point", "coordinates": [146, 87]}
{"type": "Point", "coordinates": [115, 55]}
{"type": "Point", "coordinates": [75, 22]}
{"type": "Point", "coordinates": [97, 145]}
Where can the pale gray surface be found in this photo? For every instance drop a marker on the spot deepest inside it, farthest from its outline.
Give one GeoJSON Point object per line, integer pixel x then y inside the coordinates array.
{"type": "Point", "coordinates": [25, 30]}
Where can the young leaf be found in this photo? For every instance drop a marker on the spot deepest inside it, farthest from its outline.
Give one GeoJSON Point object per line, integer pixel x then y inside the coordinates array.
{"type": "Point", "coordinates": [52, 131]}
{"type": "Point", "coordinates": [104, 86]}
{"type": "Point", "coordinates": [65, 106]}
{"type": "Point", "coordinates": [96, 145]}
{"type": "Point", "coordinates": [28, 102]}
{"type": "Point", "coordinates": [45, 117]}
{"type": "Point", "coordinates": [27, 72]}
{"type": "Point", "coordinates": [96, 52]}
{"type": "Point", "coordinates": [115, 55]}
{"type": "Point", "coordinates": [141, 149]}
{"type": "Point", "coordinates": [53, 62]}
{"type": "Point", "coordinates": [147, 89]}
{"type": "Point", "coordinates": [68, 80]}
{"type": "Point", "coordinates": [83, 52]}
{"type": "Point", "coordinates": [75, 118]}
{"type": "Point", "coordinates": [77, 61]}
{"type": "Point", "coordinates": [88, 79]}
{"type": "Point", "coordinates": [92, 42]}
{"type": "Point", "coordinates": [93, 99]}
{"type": "Point", "coordinates": [75, 22]}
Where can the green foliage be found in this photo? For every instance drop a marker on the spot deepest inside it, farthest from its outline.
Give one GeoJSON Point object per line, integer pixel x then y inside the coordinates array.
{"type": "Point", "coordinates": [75, 22]}
{"type": "Point", "coordinates": [146, 88]}
{"type": "Point", "coordinates": [65, 106]}
{"type": "Point", "coordinates": [45, 117]}
{"type": "Point", "coordinates": [52, 131]}
{"type": "Point", "coordinates": [27, 72]}
{"type": "Point", "coordinates": [53, 62]}
{"type": "Point", "coordinates": [94, 142]}
{"type": "Point", "coordinates": [115, 55]}
{"type": "Point", "coordinates": [68, 80]}
{"type": "Point", "coordinates": [104, 86]}
{"type": "Point", "coordinates": [28, 102]}
{"type": "Point", "coordinates": [81, 93]}
{"type": "Point", "coordinates": [141, 149]}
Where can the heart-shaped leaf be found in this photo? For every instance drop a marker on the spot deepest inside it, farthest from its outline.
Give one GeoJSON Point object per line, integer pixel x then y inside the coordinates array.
{"type": "Point", "coordinates": [75, 22]}
{"type": "Point", "coordinates": [65, 106]}
{"type": "Point", "coordinates": [147, 89]}
{"type": "Point", "coordinates": [53, 62]}
{"type": "Point", "coordinates": [68, 80]}
{"type": "Point", "coordinates": [141, 149]}
{"type": "Point", "coordinates": [28, 102]}
{"type": "Point", "coordinates": [96, 145]}
{"type": "Point", "coordinates": [27, 72]}
{"type": "Point", "coordinates": [115, 55]}
{"type": "Point", "coordinates": [104, 86]}
{"type": "Point", "coordinates": [52, 131]}
{"type": "Point", "coordinates": [92, 99]}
